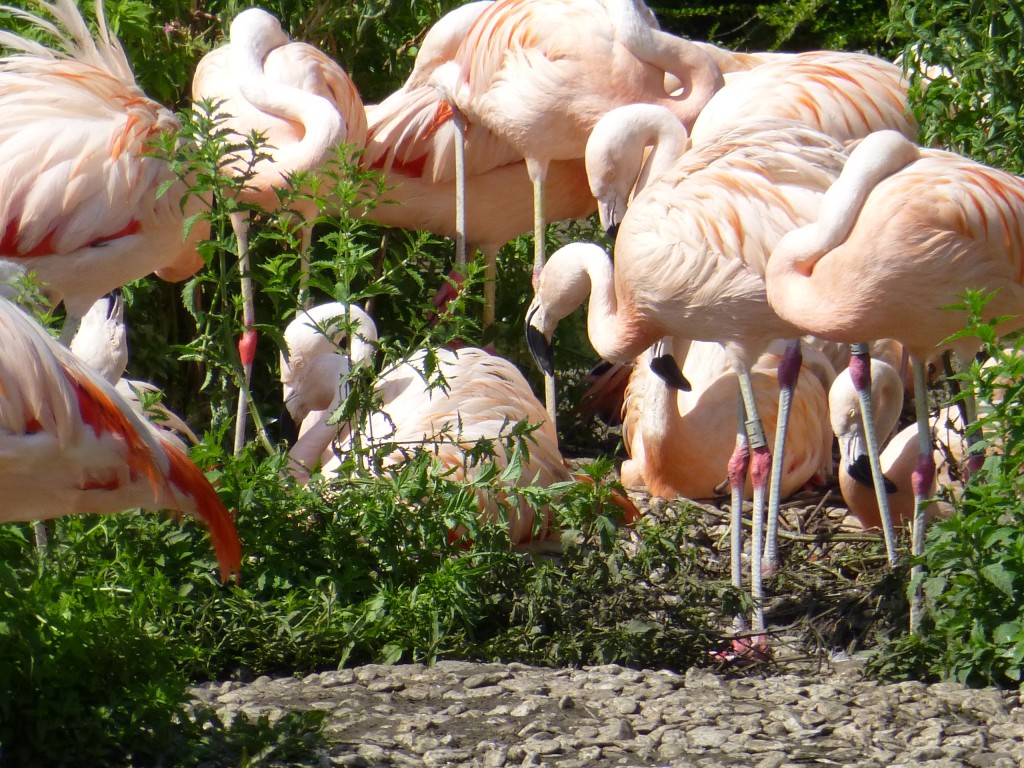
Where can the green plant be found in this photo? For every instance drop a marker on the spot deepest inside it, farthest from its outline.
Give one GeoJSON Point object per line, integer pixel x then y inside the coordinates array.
{"type": "Point", "coordinates": [973, 578]}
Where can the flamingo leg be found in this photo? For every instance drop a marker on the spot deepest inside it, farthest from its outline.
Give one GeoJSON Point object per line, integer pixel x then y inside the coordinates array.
{"type": "Point", "coordinates": [760, 463]}
{"type": "Point", "coordinates": [789, 371]}
{"type": "Point", "coordinates": [459, 121]}
{"type": "Point", "coordinates": [739, 463]}
{"type": "Point", "coordinates": [490, 289]}
{"type": "Point", "coordinates": [305, 244]}
{"type": "Point", "coordinates": [922, 480]}
{"type": "Point", "coordinates": [247, 344]}
{"type": "Point", "coordinates": [538, 170]}
{"type": "Point", "coordinates": [860, 373]}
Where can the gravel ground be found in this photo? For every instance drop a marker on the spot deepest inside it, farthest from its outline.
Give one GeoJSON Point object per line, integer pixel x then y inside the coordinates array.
{"type": "Point", "coordinates": [811, 705]}
{"type": "Point", "coordinates": [464, 714]}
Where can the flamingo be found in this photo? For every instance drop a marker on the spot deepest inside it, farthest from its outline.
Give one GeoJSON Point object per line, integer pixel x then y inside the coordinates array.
{"type": "Point", "coordinates": [689, 260]}
{"type": "Point", "coordinates": [540, 73]}
{"type": "Point", "coordinates": [481, 398]}
{"type": "Point", "coordinates": [477, 396]}
{"type": "Point", "coordinates": [675, 438]}
{"type": "Point", "coordinates": [313, 364]}
{"type": "Point", "coordinates": [81, 187]}
{"type": "Point", "coordinates": [901, 234]}
{"type": "Point", "coordinates": [845, 95]}
{"type": "Point", "coordinates": [57, 412]}
{"type": "Point", "coordinates": [900, 454]}
{"type": "Point", "coordinates": [410, 141]}
{"type": "Point", "coordinates": [101, 342]}
{"type": "Point", "coordinates": [305, 105]}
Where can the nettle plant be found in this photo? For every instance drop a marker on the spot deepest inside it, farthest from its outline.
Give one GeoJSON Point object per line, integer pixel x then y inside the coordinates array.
{"type": "Point", "coordinates": [973, 580]}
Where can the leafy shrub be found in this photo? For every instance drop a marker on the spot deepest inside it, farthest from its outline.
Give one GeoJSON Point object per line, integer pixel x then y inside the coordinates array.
{"type": "Point", "coordinates": [974, 561]}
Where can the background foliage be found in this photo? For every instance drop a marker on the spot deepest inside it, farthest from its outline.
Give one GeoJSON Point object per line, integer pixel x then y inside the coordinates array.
{"type": "Point", "coordinates": [125, 609]}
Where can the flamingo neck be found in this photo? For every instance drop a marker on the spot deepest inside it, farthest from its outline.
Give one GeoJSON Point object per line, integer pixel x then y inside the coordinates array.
{"type": "Point", "coordinates": [322, 125]}
{"type": "Point", "coordinates": [613, 329]}
{"type": "Point", "coordinates": [694, 68]}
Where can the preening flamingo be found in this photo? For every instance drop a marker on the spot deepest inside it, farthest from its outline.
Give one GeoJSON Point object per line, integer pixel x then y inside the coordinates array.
{"type": "Point", "coordinates": [901, 451]}
{"type": "Point", "coordinates": [689, 260]}
{"type": "Point", "coordinates": [411, 139]}
{"type": "Point", "coordinates": [540, 73]}
{"type": "Point", "coordinates": [902, 233]}
{"type": "Point", "coordinates": [305, 105]}
{"type": "Point", "coordinates": [58, 414]}
{"type": "Point", "coordinates": [77, 174]}
{"type": "Point", "coordinates": [680, 443]}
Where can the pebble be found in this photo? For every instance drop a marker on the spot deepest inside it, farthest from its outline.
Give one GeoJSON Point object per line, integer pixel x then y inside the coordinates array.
{"type": "Point", "coordinates": [469, 715]}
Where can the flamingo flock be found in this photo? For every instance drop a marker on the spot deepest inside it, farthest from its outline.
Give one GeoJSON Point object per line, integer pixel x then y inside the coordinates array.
{"type": "Point", "coordinates": [767, 210]}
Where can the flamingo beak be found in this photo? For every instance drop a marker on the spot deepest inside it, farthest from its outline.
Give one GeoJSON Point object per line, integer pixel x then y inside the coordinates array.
{"type": "Point", "coordinates": [860, 470]}
{"type": "Point", "coordinates": [541, 348]}
{"type": "Point", "coordinates": [667, 369]}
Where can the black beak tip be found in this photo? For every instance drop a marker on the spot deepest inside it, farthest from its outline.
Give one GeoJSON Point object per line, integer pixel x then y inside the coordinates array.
{"type": "Point", "coordinates": [612, 231]}
{"type": "Point", "coordinates": [541, 349]}
{"type": "Point", "coordinates": [667, 369]}
{"type": "Point", "coordinates": [860, 471]}
{"type": "Point", "coordinates": [287, 430]}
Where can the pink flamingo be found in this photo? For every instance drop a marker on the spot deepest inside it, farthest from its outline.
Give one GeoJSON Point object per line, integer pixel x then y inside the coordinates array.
{"type": "Point", "coordinates": [77, 176]}
{"type": "Point", "coordinates": [411, 140]}
{"type": "Point", "coordinates": [900, 454]}
{"type": "Point", "coordinates": [58, 413]}
{"type": "Point", "coordinates": [689, 260]}
{"type": "Point", "coordinates": [476, 396]}
{"type": "Point", "coordinates": [305, 105]}
{"type": "Point", "coordinates": [845, 95]}
{"type": "Point", "coordinates": [676, 441]}
{"type": "Point", "coordinates": [904, 216]}
{"type": "Point", "coordinates": [540, 73]}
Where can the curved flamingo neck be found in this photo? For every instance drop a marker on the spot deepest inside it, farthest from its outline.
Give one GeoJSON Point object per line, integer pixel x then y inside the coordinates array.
{"type": "Point", "coordinates": [694, 68]}
{"type": "Point", "coordinates": [255, 34]}
{"type": "Point", "coordinates": [878, 156]}
{"type": "Point", "coordinates": [614, 331]}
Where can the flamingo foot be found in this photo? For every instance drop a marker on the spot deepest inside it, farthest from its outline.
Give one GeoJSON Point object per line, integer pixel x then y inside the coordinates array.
{"type": "Point", "coordinates": [445, 294]}
{"type": "Point", "coordinates": [744, 652]}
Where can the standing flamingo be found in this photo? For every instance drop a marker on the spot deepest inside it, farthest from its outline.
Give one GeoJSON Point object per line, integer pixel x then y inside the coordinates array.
{"type": "Point", "coordinates": [305, 105]}
{"type": "Point", "coordinates": [410, 140]}
{"type": "Point", "coordinates": [540, 73]}
{"type": "Point", "coordinates": [902, 233]}
{"type": "Point", "coordinates": [689, 260]}
{"type": "Point", "coordinates": [58, 414]}
{"type": "Point", "coordinates": [80, 185]}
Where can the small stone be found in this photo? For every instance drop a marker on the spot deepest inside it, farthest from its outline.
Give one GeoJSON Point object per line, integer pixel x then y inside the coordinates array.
{"type": "Point", "coordinates": [526, 709]}
{"type": "Point", "coordinates": [708, 736]}
{"type": "Point", "coordinates": [484, 679]}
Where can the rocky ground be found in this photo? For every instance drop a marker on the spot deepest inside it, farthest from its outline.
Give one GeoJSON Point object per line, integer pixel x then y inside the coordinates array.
{"type": "Point", "coordinates": [811, 705]}
{"type": "Point", "coordinates": [463, 714]}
